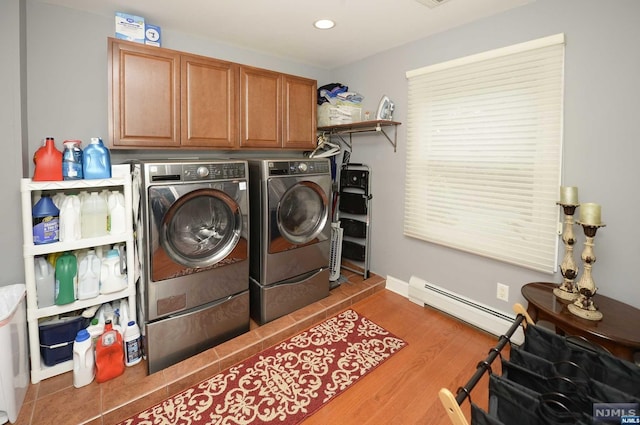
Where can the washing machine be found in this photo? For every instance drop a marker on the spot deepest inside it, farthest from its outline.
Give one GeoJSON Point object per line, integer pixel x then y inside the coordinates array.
{"type": "Point", "coordinates": [192, 234]}
{"type": "Point", "coordinates": [290, 234]}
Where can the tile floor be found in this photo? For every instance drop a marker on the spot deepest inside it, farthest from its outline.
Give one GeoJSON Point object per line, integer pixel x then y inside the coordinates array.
{"type": "Point", "coordinates": [56, 401]}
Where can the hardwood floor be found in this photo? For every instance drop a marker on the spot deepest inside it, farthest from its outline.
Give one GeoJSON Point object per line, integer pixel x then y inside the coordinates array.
{"type": "Point", "coordinates": [441, 352]}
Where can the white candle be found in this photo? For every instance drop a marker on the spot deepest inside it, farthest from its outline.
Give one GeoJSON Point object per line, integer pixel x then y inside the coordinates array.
{"type": "Point", "coordinates": [590, 214]}
{"type": "Point", "coordinates": [568, 195]}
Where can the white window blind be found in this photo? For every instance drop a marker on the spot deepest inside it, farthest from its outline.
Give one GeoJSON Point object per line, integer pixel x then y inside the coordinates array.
{"type": "Point", "coordinates": [484, 153]}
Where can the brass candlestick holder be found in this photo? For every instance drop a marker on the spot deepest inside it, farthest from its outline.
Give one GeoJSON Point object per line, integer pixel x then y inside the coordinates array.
{"type": "Point", "coordinates": [584, 306]}
{"type": "Point", "coordinates": [569, 269]}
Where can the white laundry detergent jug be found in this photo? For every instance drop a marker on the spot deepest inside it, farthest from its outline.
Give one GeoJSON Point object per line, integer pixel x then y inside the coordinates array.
{"type": "Point", "coordinates": [84, 369]}
{"type": "Point", "coordinates": [89, 270]}
{"type": "Point", "coordinates": [45, 282]}
{"type": "Point", "coordinates": [111, 279]}
{"type": "Point", "coordinates": [117, 213]}
{"type": "Point", "coordinates": [95, 216]}
{"type": "Point", "coordinates": [70, 219]}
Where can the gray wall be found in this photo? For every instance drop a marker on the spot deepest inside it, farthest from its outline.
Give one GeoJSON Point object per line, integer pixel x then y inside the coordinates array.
{"type": "Point", "coordinates": [13, 126]}
{"type": "Point", "coordinates": [601, 148]}
{"type": "Point", "coordinates": [67, 98]}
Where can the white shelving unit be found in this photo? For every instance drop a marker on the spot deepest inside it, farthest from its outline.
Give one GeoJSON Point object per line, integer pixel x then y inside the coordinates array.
{"type": "Point", "coordinates": [30, 192]}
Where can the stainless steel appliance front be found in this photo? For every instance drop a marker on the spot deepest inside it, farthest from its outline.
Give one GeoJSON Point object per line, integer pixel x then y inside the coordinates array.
{"type": "Point", "coordinates": [290, 233]}
{"type": "Point", "coordinates": [193, 247]}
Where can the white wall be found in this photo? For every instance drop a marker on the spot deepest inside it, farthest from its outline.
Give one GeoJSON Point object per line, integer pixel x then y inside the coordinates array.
{"type": "Point", "coordinates": [601, 143]}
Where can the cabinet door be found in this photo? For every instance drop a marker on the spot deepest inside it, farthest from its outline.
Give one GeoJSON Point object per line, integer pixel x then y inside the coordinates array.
{"type": "Point", "coordinates": [299, 112]}
{"type": "Point", "coordinates": [209, 93]}
{"type": "Point", "coordinates": [144, 103]}
{"type": "Point", "coordinates": [260, 108]}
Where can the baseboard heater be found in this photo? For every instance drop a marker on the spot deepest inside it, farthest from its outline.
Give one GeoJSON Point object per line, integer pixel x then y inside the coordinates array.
{"type": "Point", "coordinates": [472, 312]}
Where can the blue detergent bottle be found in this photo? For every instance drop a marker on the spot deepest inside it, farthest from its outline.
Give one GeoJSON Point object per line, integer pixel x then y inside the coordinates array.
{"type": "Point", "coordinates": [46, 221]}
{"type": "Point", "coordinates": [96, 161]}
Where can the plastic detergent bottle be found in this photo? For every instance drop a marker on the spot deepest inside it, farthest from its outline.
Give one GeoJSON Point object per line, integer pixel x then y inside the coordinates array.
{"type": "Point", "coordinates": [117, 213]}
{"type": "Point", "coordinates": [111, 279]}
{"type": "Point", "coordinates": [45, 282]}
{"type": "Point", "coordinates": [109, 354]}
{"type": "Point", "coordinates": [48, 161]}
{"type": "Point", "coordinates": [72, 160]}
{"type": "Point", "coordinates": [46, 221]}
{"type": "Point", "coordinates": [89, 276]}
{"type": "Point", "coordinates": [122, 312]}
{"type": "Point", "coordinates": [96, 161]}
{"type": "Point", "coordinates": [66, 268]}
{"type": "Point", "coordinates": [132, 344]}
{"type": "Point", "coordinates": [58, 199]}
{"type": "Point", "coordinates": [95, 329]}
{"type": "Point", "coordinates": [70, 219]}
{"type": "Point", "coordinates": [94, 216]}
{"type": "Point", "coordinates": [83, 359]}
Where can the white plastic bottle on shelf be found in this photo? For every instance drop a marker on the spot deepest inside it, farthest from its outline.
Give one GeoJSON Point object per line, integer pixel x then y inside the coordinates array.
{"type": "Point", "coordinates": [83, 359]}
{"type": "Point", "coordinates": [122, 312]}
{"type": "Point", "coordinates": [117, 213]}
{"type": "Point", "coordinates": [89, 276]}
{"type": "Point", "coordinates": [70, 219]}
{"type": "Point", "coordinates": [111, 279]}
{"type": "Point", "coordinates": [132, 344]}
{"type": "Point", "coordinates": [95, 329]}
{"type": "Point", "coordinates": [58, 199]}
{"type": "Point", "coordinates": [94, 214]}
{"type": "Point", "coordinates": [45, 282]}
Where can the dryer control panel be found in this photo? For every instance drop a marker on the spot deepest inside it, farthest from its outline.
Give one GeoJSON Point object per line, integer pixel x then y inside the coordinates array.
{"type": "Point", "coordinates": [295, 168]}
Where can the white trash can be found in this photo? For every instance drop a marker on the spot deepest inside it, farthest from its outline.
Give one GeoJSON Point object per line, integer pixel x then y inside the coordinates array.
{"type": "Point", "coordinates": [14, 355]}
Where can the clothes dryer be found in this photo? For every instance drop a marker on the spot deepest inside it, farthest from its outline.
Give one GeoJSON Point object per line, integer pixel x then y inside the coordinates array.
{"type": "Point", "coordinates": [192, 231]}
{"type": "Point", "coordinates": [290, 234]}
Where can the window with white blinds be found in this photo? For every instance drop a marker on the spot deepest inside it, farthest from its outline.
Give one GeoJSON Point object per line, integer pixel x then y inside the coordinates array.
{"type": "Point", "coordinates": [484, 153]}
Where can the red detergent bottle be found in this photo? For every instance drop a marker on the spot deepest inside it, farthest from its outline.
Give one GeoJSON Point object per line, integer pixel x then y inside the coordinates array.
{"type": "Point", "coordinates": [48, 161]}
{"type": "Point", "coordinates": [109, 354]}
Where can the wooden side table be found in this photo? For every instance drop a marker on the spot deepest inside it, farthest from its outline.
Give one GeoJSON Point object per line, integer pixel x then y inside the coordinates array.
{"type": "Point", "coordinates": [618, 331]}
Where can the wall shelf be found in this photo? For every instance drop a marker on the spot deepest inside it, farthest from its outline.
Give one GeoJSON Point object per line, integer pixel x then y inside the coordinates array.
{"type": "Point", "coordinates": [377, 126]}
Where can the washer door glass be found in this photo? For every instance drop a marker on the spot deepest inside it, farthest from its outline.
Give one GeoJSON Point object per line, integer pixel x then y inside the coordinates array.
{"type": "Point", "coordinates": [302, 213]}
{"type": "Point", "coordinates": [201, 228]}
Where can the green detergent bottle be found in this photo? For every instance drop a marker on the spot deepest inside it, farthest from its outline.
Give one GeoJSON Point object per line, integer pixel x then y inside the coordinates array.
{"type": "Point", "coordinates": [66, 269]}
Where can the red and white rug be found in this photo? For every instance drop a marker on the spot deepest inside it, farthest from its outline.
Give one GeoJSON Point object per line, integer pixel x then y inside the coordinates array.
{"type": "Point", "coordinates": [285, 383]}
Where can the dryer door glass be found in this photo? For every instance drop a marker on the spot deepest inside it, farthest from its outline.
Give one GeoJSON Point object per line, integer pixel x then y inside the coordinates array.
{"type": "Point", "coordinates": [201, 228]}
{"type": "Point", "coordinates": [302, 213]}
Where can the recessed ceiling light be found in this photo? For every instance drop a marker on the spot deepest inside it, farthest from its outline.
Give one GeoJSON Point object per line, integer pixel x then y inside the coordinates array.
{"type": "Point", "coordinates": [324, 24]}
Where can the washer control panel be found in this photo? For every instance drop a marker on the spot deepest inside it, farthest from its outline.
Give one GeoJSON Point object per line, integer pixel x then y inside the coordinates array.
{"type": "Point", "coordinates": [196, 171]}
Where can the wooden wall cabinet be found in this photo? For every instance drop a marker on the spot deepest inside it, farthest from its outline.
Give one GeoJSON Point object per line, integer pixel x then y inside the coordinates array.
{"type": "Point", "coordinates": [260, 108]}
{"type": "Point", "coordinates": [209, 102]}
{"type": "Point", "coordinates": [161, 98]}
{"type": "Point", "coordinates": [164, 99]}
{"type": "Point", "coordinates": [299, 112]}
{"type": "Point", "coordinates": [144, 95]}
{"type": "Point", "coordinates": [277, 110]}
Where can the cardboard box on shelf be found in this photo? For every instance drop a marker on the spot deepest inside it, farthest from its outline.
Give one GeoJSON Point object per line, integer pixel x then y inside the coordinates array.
{"type": "Point", "coordinates": [152, 35]}
{"type": "Point", "coordinates": [338, 114]}
{"type": "Point", "coordinates": [130, 27]}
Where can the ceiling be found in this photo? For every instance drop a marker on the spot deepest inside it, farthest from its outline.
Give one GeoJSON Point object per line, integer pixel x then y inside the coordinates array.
{"type": "Point", "coordinates": [284, 28]}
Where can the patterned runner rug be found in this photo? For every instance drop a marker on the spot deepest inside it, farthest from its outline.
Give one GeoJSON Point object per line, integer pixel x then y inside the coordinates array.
{"type": "Point", "coordinates": [285, 383]}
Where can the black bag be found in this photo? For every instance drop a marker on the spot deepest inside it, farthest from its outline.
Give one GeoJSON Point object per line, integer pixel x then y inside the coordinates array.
{"type": "Point", "coordinates": [480, 417]}
{"type": "Point", "coordinates": [520, 362]}
{"type": "Point", "coordinates": [599, 365]}
{"type": "Point", "coordinates": [512, 403]}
